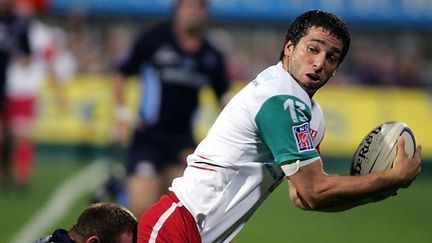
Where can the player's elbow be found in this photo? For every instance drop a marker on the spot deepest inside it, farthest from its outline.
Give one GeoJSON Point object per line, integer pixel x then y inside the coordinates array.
{"type": "Point", "coordinates": [312, 197]}
{"type": "Point", "coordinates": [310, 201]}
{"type": "Point", "coordinates": [296, 200]}
{"type": "Point", "coordinates": [301, 202]}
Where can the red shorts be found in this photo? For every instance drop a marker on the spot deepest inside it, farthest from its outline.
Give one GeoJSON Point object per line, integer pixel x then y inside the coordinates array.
{"type": "Point", "coordinates": [20, 109]}
{"type": "Point", "coordinates": [168, 221]}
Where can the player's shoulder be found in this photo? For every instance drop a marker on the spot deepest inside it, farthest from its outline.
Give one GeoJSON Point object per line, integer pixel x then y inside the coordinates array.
{"type": "Point", "coordinates": [269, 77]}
{"type": "Point", "coordinates": [275, 80]}
{"type": "Point", "coordinates": [317, 121]}
{"type": "Point", "coordinates": [156, 32]}
{"type": "Point", "coordinates": [316, 106]}
{"type": "Point", "coordinates": [46, 239]}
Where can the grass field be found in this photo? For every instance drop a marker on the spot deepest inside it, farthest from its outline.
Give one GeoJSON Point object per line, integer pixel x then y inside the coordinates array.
{"type": "Point", "coordinates": [405, 218]}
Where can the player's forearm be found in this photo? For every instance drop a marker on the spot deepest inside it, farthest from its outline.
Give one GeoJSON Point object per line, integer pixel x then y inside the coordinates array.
{"type": "Point", "coordinates": [352, 204]}
{"type": "Point", "coordinates": [319, 191]}
{"type": "Point", "coordinates": [119, 89]}
{"type": "Point", "coordinates": [337, 207]}
{"type": "Point", "coordinates": [344, 192]}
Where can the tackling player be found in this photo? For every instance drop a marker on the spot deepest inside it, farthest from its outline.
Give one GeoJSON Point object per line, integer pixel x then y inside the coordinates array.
{"type": "Point", "coordinates": [98, 223]}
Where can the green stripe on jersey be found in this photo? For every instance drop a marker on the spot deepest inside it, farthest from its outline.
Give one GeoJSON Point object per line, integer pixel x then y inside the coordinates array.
{"type": "Point", "coordinates": [277, 119]}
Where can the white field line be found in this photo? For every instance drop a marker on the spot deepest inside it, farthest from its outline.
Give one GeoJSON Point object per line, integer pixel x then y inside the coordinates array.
{"type": "Point", "coordinates": [87, 180]}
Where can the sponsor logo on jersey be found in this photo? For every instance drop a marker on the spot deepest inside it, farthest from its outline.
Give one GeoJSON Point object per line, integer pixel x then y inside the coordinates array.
{"type": "Point", "coordinates": [303, 137]}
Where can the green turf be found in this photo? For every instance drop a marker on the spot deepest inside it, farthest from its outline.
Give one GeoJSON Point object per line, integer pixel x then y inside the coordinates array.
{"type": "Point", "coordinates": [18, 205]}
{"type": "Point", "coordinates": [405, 218]}
{"type": "Point", "coordinates": [70, 218]}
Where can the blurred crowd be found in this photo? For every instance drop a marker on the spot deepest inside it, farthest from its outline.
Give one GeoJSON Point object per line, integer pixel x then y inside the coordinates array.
{"type": "Point", "coordinates": [378, 56]}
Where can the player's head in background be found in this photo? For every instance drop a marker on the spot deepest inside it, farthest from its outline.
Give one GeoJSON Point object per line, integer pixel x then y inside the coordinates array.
{"type": "Point", "coordinates": [315, 44]}
{"type": "Point", "coordinates": [104, 223]}
{"type": "Point", "coordinates": [191, 15]}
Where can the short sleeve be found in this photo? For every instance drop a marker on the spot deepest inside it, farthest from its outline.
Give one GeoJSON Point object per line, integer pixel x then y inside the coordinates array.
{"type": "Point", "coordinates": [283, 123]}
{"type": "Point", "coordinates": [143, 48]}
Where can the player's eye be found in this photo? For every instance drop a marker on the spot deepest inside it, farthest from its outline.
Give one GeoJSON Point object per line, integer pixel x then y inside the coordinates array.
{"type": "Point", "coordinates": [332, 58]}
{"type": "Point", "coordinates": [312, 49]}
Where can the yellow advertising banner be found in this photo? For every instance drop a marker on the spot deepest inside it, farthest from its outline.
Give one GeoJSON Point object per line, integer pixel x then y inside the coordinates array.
{"type": "Point", "coordinates": [87, 115]}
{"type": "Point", "coordinates": [350, 112]}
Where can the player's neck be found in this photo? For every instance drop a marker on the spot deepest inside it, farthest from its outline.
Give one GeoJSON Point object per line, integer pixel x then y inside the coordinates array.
{"type": "Point", "coordinates": [285, 65]}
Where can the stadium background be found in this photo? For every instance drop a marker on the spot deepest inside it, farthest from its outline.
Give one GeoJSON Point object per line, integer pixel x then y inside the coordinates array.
{"type": "Point", "coordinates": [76, 149]}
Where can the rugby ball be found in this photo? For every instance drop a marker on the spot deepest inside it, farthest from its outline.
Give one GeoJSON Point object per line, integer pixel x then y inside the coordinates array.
{"type": "Point", "coordinates": [377, 150]}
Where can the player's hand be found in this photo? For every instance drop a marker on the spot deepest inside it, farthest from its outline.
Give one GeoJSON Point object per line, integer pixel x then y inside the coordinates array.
{"type": "Point", "coordinates": [406, 169]}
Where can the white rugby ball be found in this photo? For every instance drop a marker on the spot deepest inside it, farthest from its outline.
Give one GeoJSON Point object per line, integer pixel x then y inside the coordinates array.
{"type": "Point", "coordinates": [377, 150]}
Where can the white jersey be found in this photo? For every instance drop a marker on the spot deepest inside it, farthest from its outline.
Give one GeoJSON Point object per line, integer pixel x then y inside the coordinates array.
{"type": "Point", "coordinates": [265, 133]}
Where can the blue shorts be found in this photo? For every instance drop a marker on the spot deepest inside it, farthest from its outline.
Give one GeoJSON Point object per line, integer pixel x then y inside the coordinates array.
{"type": "Point", "coordinates": [152, 150]}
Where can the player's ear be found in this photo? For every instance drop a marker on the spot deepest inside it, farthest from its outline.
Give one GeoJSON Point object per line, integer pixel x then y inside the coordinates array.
{"type": "Point", "coordinates": [93, 239]}
{"type": "Point", "coordinates": [288, 48]}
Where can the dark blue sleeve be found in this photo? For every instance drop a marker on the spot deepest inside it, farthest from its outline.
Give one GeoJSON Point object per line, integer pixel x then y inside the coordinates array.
{"type": "Point", "coordinates": [21, 29]}
{"type": "Point", "coordinates": [220, 81]}
{"type": "Point", "coordinates": [140, 52]}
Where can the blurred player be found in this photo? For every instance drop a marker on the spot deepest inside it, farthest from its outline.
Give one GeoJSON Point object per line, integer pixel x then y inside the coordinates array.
{"type": "Point", "coordinates": [14, 43]}
{"type": "Point", "coordinates": [174, 61]}
{"type": "Point", "coordinates": [268, 132]}
{"type": "Point", "coordinates": [100, 222]}
{"type": "Point", "coordinates": [49, 62]}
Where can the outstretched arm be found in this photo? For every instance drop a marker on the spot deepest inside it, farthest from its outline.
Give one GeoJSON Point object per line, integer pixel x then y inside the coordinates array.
{"type": "Point", "coordinates": [313, 189]}
{"type": "Point", "coordinates": [123, 115]}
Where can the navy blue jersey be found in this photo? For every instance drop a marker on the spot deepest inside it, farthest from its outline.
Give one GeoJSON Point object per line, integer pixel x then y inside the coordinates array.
{"type": "Point", "coordinates": [171, 77]}
{"type": "Point", "coordinates": [58, 236]}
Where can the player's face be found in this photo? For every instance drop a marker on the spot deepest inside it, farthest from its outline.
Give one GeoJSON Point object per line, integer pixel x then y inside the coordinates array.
{"type": "Point", "coordinates": [191, 15]}
{"type": "Point", "coordinates": [314, 59]}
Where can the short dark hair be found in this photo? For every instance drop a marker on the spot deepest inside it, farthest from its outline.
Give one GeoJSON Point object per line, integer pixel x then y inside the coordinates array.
{"type": "Point", "coordinates": [106, 221]}
{"type": "Point", "coordinates": [318, 18]}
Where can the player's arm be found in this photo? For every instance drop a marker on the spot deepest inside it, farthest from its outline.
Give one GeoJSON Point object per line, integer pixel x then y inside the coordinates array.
{"type": "Point", "coordinates": [297, 200]}
{"type": "Point", "coordinates": [138, 53]}
{"type": "Point", "coordinates": [220, 81]}
{"type": "Point", "coordinates": [119, 80]}
{"type": "Point", "coordinates": [22, 31]}
{"type": "Point", "coordinates": [129, 66]}
{"type": "Point", "coordinates": [123, 114]}
{"type": "Point", "coordinates": [313, 189]}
